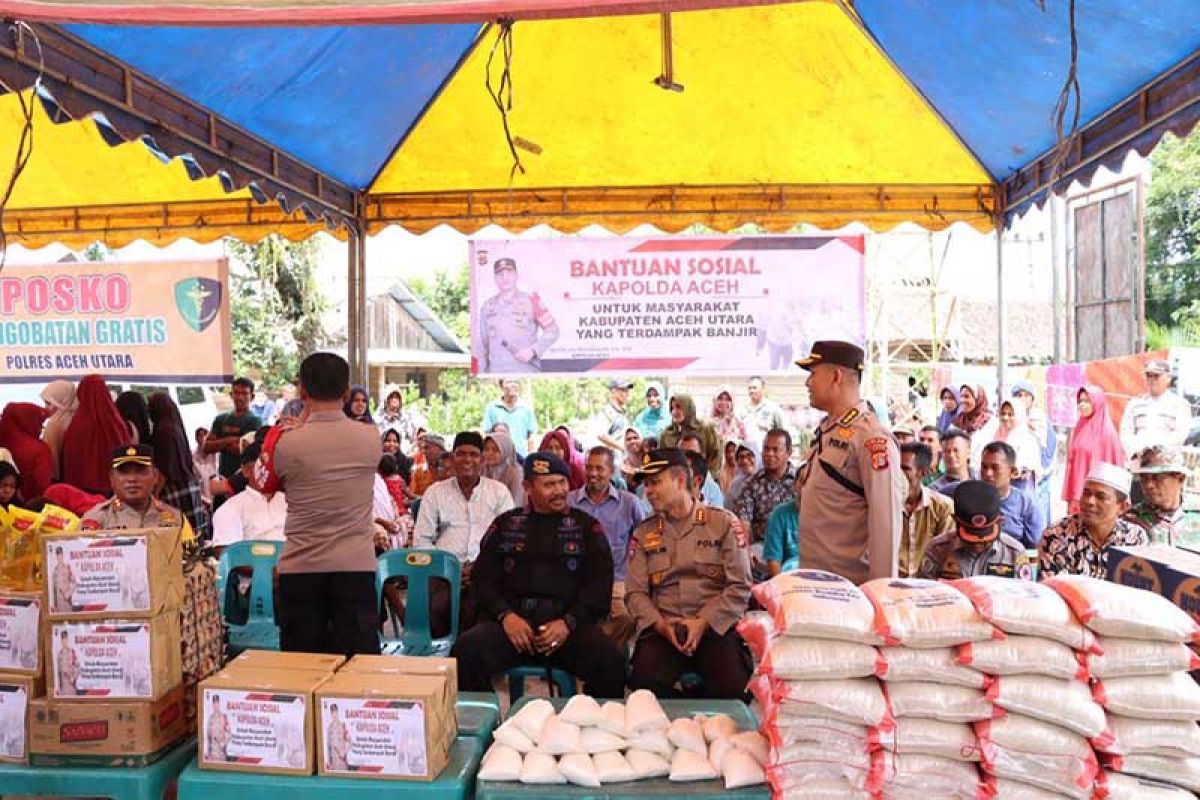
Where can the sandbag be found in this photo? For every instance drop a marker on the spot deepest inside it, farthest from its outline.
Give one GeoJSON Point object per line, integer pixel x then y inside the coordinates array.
{"type": "Point", "coordinates": [742, 769]}
{"type": "Point", "coordinates": [1065, 703]}
{"type": "Point", "coordinates": [858, 700]}
{"type": "Point", "coordinates": [718, 725]}
{"type": "Point", "coordinates": [1170, 738]}
{"type": "Point", "coordinates": [594, 740]}
{"type": "Point", "coordinates": [500, 763]}
{"type": "Point", "coordinates": [614, 718]}
{"type": "Point", "coordinates": [1184, 772]}
{"type": "Point", "coordinates": [613, 768]}
{"type": "Point", "coordinates": [923, 613]}
{"type": "Point", "coordinates": [541, 768]}
{"type": "Point", "coordinates": [933, 665]}
{"type": "Point", "coordinates": [643, 713]}
{"type": "Point", "coordinates": [1023, 655]}
{"type": "Point", "coordinates": [653, 742]}
{"type": "Point", "coordinates": [1066, 775]}
{"type": "Point", "coordinates": [532, 716]}
{"type": "Point", "coordinates": [1127, 658]}
{"type": "Point", "coordinates": [1174, 696]}
{"type": "Point", "coordinates": [931, 737]}
{"type": "Point", "coordinates": [1111, 609]}
{"type": "Point", "coordinates": [687, 734]}
{"type": "Point", "coordinates": [647, 765]}
{"type": "Point", "coordinates": [1115, 786]}
{"type": "Point", "coordinates": [559, 738]}
{"type": "Point", "coordinates": [753, 743]}
{"type": "Point", "coordinates": [511, 735]}
{"type": "Point", "coordinates": [1008, 789]}
{"type": "Point", "coordinates": [578, 769]}
{"type": "Point", "coordinates": [817, 605]}
{"type": "Point", "coordinates": [582, 710]}
{"type": "Point", "coordinates": [938, 701]}
{"type": "Point", "coordinates": [690, 766]}
{"type": "Point", "coordinates": [1024, 607]}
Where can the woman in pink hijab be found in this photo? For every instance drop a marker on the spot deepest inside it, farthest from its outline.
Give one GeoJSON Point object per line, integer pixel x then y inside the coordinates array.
{"type": "Point", "coordinates": [1095, 438]}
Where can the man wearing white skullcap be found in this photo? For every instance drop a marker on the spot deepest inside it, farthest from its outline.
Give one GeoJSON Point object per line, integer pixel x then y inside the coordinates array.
{"type": "Point", "coordinates": [1078, 544]}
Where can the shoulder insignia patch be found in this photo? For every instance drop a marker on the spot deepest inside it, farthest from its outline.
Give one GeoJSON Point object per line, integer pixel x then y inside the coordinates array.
{"type": "Point", "coordinates": [877, 449]}
{"type": "Point", "coordinates": [739, 532]}
{"type": "Point", "coordinates": [845, 433]}
{"type": "Point", "coordinates": [849, 417]}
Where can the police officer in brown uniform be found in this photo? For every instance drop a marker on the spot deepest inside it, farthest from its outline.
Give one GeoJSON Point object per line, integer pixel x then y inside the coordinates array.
{"type": "Point", "coordinates": [687, 583]}
{"type": "Point", "coordinates": [133, 504]}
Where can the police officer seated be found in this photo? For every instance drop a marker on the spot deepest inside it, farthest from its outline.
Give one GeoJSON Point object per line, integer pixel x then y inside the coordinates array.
{"type": "Point", "coordinates": [543, 582]}
{"type": "Point", "coordinates": [688, 582]}
{"type": "Point", "coordinates": [133, 504]}
{"type": "Point", "coordinates": [977, 546]}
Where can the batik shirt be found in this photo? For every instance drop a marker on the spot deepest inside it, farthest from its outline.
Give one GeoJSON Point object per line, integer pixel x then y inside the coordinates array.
{"type": "Point", "coordinates": [1067, 547]}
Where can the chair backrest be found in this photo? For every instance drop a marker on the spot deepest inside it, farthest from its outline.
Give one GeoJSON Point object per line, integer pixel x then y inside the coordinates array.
{"type": "Point", "coordinates": [260, 556]}
{"type": "Point", "coordinates": [419, 566]}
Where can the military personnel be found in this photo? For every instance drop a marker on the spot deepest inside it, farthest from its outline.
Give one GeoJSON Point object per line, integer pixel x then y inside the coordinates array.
{"type": "Point", "coordinates": [852, 489]}
{"type": "Point", "coordinates": [133, 504]}
{"type": "Point", "coordinates": [977, 546]}
{"type": "Point", "coordinates": [543, 583]}
{"type": "Point", "coordinates": [509, 323]}
{"type": "Point", "coordinates": [62, 582]}
{"type": "Point", "coordinates": [1162, 474]}
{"type": "Point", "coordinates": [687, 583]}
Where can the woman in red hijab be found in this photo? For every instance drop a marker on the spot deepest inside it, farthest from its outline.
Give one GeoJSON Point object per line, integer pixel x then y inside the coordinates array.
{"type": "Point", "coordinates": [560, 442]}
{"type": "Point", "coordinates": [1095, 438]}
{"type": "Point", "coordinates": [973, 409]}
{"type": "Point", "coordinates": [95, 431]}
{"type": "Point", "coordinates": [21, 433]}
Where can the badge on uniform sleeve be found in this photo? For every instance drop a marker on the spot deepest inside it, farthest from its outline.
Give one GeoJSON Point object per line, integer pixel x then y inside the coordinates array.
{"type": "Point", "coordinates": [877, 448]}
{"type": "Point", "coordinates": [739, 532]}
{"type": "Point", "coordinates": [845, 433]}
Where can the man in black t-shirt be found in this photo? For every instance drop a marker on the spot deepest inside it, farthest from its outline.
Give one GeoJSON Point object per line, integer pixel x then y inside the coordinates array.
{"type": "Point", "coordinates": [228, 429]}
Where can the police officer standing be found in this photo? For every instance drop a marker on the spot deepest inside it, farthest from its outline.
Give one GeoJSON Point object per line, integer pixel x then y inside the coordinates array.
{"type": "Point", "coordinates": [852, 490]}
{"type": "Point", "coordinates": [133, 504]}
{"type": "Point", "coordinates": [543, 582]}
{"type": "Point", "coordinates": [687, 583]}
{"type": "Point", "coordinates": [508, 325]}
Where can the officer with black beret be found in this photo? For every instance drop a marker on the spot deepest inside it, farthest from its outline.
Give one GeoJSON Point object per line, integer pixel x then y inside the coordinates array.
{"type": "Point", "coordinates": [543, 583]}
{"type": "Point", "coordinates": [976, 546]}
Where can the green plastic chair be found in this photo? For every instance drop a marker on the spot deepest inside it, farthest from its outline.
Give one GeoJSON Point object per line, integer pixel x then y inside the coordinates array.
{"type": "Point", "coordinates": [560, 682]}
{"type": "Point", "coordinates": [260, 631]}
{"type": "Point", "coordinates": [419, 566]}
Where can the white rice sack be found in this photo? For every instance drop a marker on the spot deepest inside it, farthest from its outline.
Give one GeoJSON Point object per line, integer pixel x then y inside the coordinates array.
{"type": "Point", "coordinates": [582, 710]}
{"type": "Point", "coordinates": [559, 738]}
{"type": "Point", "coordinates": [1174, 696]}
{"type": "Point", "coordinates": [613, 768]}
{"type": "Point", "coordinates": [643, 713]}
{"type": "Point", "coordinates": [753, 743]}
{"type": "Point", "coordinates": [718, 725]}
{"type": "Point", "coordinates": [1066, 775]}
{"type": "Point", "coordinates": [512, 736]}
{"type": "Point", "coordinates": [1026, 734]}
{"type": "Point", "coordinates": [1024, 607]}
{"type": "Point", "coordinates": [935, 665]}
{"type": "Point", "coordinates": [814, 753]}
{"type": "Point", "coordinates": [793, 658]}
{"type": "Point", "coordinates": [594, 740]}
{"type": "Point", "coordinates": [1023, 655]}
{"type": "Point", "coordinates": [1151, 737]}
{"type": "Point", "coordinates": [741, 769]}
{"type": "Point", "coordinates": [647, 765]}
{"type": "Point", "coordinates": [687, 734]}
{"type": "Point", "coordinates": [1065, 703]}
{"type": "Point", "coordinates": [1111, 609]}
{"type": "Point", "coordinates": [532, 717]}
{"type": "Point", "coordinates": [834, 736]}
{"type": "Point", "coordinates": [922, 613]}
{"type": "Point", "coordinates": [795, 781]}
{"type": "Point", "coordinates": [931, 737]}
{"type": "Point", "coordinates": [717, 750]}
{"type": "Point", "coordinates": [817, 605]}
{"type": "Point", "coordinates": [1184, 772]}
{"type": "Point", "coordinates": [578, 769]}
{"type": "Point", "coordinates": [500, 763]}
{"type": "Point", "coordinates": [1116, 786]}
{"type": "Point", "coordinates": [689, 766]}
{"type": "Point", "coordinates": [858, 700]}
{"type": "Point", "coordinates": [1007, 789]}
{"type": "Point", "coordinates": [928, 776]}
{"type": "Point", "coordinates": [541, 768]}
{"type": "Point", "coordinates": [1127, 658]}
{"type": "Point", "coordinates": [614, 718]}
{"type": "Point", "coordinates": [653, 742]}
{"type": "Point", "coordinates": [938, 701]}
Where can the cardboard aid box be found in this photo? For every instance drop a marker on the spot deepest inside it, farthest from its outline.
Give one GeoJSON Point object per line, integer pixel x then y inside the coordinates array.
{"type": "Point", "coordinates": [21, 632]}
{"type": "Point", "coordinates": [17, 692]}
{"type": "Point", "coordinates": [127, 573]}
{"type": "Point", "coordinates": [1169, 571]}
{"type": "Point", "coordinates": [114, 659]}
{"type": "Point", "coordinates": [412, 665]}
{"type": "Point", "coordinates": [274, 659]}
{"type": "Point", "coordinates": [258, 720]}
{"type": "Point", "coordinates": [108, 734]}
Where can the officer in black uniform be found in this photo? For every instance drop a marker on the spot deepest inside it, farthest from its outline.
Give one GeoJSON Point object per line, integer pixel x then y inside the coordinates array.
{"type": "Point", "coordinates": [543, 582]}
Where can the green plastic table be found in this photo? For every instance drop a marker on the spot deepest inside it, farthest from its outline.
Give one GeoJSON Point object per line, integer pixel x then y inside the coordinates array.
{"type": "Point", "coordinates": [118, 783]}
{"type": "Point", "coordinates": [457, 782]}
{"type": "Point", "coordinates": [654, 787]}
{"type": "Point", "coordinates": [478, 714]}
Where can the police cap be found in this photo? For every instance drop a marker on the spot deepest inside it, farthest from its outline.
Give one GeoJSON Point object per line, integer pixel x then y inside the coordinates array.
{"type": "Point", "coordinates": [977, 511]}
{"type": "Point", "coordinates": [543, 463]}
{"type": "Point", "coordinates": [503, 263]}
{"type": "Point", "coordinates": [662, 459]}
{"type": "Point", "coordinates": [831, 351]}
{"type": "Point", "coordinates": [141, 454]}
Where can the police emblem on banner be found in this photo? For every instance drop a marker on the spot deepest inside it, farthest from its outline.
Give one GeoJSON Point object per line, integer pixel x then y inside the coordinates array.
{"type": "Point", "coordinates": [198, 301]}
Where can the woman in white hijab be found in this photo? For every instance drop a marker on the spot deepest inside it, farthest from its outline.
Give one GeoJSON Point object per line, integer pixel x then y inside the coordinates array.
{"type": "Point", "coordinates": [59, 397]}
{"type": "Point", "coordinates": [500, 464]}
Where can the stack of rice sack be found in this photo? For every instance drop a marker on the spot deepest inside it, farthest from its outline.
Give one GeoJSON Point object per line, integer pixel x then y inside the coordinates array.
{"type": "Point", "coordinates": [589, 744]}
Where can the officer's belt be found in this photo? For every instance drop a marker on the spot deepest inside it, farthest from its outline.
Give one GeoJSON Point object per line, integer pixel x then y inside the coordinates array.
{"type": "Point", "coordinates": [845, 482]}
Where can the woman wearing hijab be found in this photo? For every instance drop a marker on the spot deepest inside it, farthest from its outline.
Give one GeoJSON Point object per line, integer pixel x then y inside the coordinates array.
{"type": "Point", "coordinates": [500, 464]}
{"type": "Point", "coordinates": [357, 406]}
{"type": "Point", "coordinates": [10, 485]}
{"type": "Point", "coordinates": [632, 458]}
{"type": "Point", "coordinates": [748, 463]}
{"type": "Point", "coordinates": [973, 409]}
{"type": "Point", "coordinates": [59, 397]}
{"type": "Point", "coordinates": [96, 430]}
{"type": "Point", "coordinates": [560, 443]}
{"type": "Point", "coordinates": [950, 409]}
{"type": "Point", "coordinates": [729, 427]}
{"type": "Point", "coordinates": [133, 409]}
{"type": "Point", "coordinates": [683, 421]}
{"type": "Point", "coordinates": [653, 419]}
{"type": "Point", "coordinates": [1095, 438]}
{"type": "Point", "coordinates": [729, 468]}
{"type": "Point", "coordinates": [1012, 426]}
{"type": "Point", "coordinates": [21, 435]}
{"type": "Point", "coordinates": [173, 459]}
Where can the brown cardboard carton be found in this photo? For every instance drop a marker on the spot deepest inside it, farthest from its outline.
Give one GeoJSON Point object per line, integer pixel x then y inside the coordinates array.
{"type": "Point", "coordinates": [373, 725]}
{"type": "Point", "coordinates": [21, 621]}
{"type": "Point", "coordinates": [274, 659]}
{"type": "Point", "coordinates": [108, 660]}
{"type": "Point", "coordinates": [129, 734]}
{"type": "Point", "coordinates": [131, 574]}
{"type": "Point", "coordinates": [411, 665]}
{"type": "Point", "coordinates": [258, 721]}
{"type": "Point", "coordinates": [16, 694]}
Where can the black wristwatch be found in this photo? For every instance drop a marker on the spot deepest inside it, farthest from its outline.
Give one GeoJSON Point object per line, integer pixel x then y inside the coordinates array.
{"type": "Point", "coordinates": [571, 622]}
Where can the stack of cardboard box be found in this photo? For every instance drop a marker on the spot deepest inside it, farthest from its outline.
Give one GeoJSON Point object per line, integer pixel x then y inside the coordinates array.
{"type": "Point", "coordinates": [373, 717]}
{"type": "Point", "coordinates": [21, 675]}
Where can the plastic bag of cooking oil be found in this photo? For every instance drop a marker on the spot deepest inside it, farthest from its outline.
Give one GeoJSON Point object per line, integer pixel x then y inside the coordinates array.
{"type": "Point", "coordinates": [21, 562]}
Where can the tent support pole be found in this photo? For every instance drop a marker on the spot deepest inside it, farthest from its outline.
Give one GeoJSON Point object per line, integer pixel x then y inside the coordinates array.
{"type": "Point", "coordinates": [1001, 355]}
{"type": "Point", "coordinates": [355, 305]}
{"type": "Point", "coordinates": [364, 368]}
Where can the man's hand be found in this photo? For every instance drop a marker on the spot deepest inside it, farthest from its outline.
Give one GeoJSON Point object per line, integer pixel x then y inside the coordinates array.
{"type": "Point", "coordinates": [518, 632]}
{"type": "Point", "coordinates": [466, 572]}
{"type": "Point", "coordinates": [666, 629]}
{"type": "Point", "coordinates": [551, 636]}
{"type": "Point", "coordinates": [525, 355]}
{"type": "Point", "coordinates": [695, 632]}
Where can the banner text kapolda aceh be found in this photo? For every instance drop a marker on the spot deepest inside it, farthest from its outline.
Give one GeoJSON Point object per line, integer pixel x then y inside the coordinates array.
{"type": "Point", "coordinates": [160, 321]}
{"type": "Point", "coordinates": [733, 305]}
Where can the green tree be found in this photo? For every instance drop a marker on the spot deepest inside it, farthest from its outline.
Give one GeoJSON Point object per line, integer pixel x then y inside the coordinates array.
{"type": "Point", "coordinates": [1173, 234]}
{"type": "Point", "coordinates": [448, 294]}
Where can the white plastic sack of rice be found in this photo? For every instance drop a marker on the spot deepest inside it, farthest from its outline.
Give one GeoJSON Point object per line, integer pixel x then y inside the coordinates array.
{"type": "Point", "coordinates": [1151, 737]}
{"type": "Point", "coordinates": [511, 735]}
{"type": "Point", "coordinates": [936, 777]}
{"type": "Point", "coordinates": [938, 701]}
{"type": "Point", "coordinates": [689, 766]}
{"type": "Point", "coordinates": [794, 658]}
{"type": "Point", "coordinates": [652, 742]}
{"type": "Point", "coordinates": [740, 769]}
{"type": "Point", "coordinates": [559, 738]}
{"type": "Point", "coordinates": [1023, 655]}
{"type": "Point", "coordinates": [500, 763]}
{"type": "Point", "coordinates": [1065, 703]}
{"type": "Point", "coordinates": [814, 753]}
{"type": "Point", "coordinates": [1008, 789]}
{"type": "Point", "coordinates": [1024, 607]}
{"type": "Point", "coordinates": [687, 734]}
{"type": "Point", "coordinates": [1115, 786]}
{"type": "Point", "coordinates": [858, 700]}
{"type": "Point", "coordinates": [1111, 609]}
{"type": "Point", "coordinates": [718, 725]}
{"type": "Point", "coordinates": [613, 768]}
{"type": "Point", "coordinates": [594, 740]}
{"type": "Point", "coordinates": [1072, 777]}
{"type": "Point", "coordinates": [614, 718]}
{"type": "Point", "coordinates": [578, 769]}
{"type": "Point", "coordinates": [647, 765]}
{"type": "Point", "coordinates": [1128, 658]}
{"type": "Point", "coordinates": [922, 613]}
{"type": "Point", "coordinates": [931, 737]}
{"type": "Point", "coordinates": [788, 783]}
{"type": "Point", "coordinates": [643, 713]}
{"type": "Point", "coordinates": [532, 716]}
{"type": "Point", "coordinates": [818, 605]}
{"type": "Point", "coordinates": [834, 736]}
{"type": "Point", "coordinates": [753, 743]}
{"type": "Point", "coordinates": [933, 665]}
{"type": "Point", "coordinates": [1028, 735]}
{"type": "Point", "coordinates": [541, 768]}
{"type": "Point", "coordinates": [1173, 696]}
{"type": "Point", "coordinates": [582, 710]}
{"type": "Point", "coordinates": [1182, 772]}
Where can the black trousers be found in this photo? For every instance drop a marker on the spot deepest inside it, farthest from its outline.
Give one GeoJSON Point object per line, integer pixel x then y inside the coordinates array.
{"type": "Point", "coordinates": [328, 612]}
{"type": "Point", "coordinates": [721, 660]}
{"type": "Point", "coordinates": [485, 652]}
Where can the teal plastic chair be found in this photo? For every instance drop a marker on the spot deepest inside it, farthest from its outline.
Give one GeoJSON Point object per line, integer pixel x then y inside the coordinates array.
{"type": "Point", "coordinates": [260, 631]}
{"type": "Point", "coordinates": [416, 637]}
{"type": "Point", "coordinates": [562, 684]}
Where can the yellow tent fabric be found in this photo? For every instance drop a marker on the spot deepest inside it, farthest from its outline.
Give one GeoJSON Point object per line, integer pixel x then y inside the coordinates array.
{"type": "Point", "coordinates": [784, 107]}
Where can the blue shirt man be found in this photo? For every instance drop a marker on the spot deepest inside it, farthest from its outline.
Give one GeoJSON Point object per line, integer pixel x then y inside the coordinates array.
{"type": "Point", "coordinates": [781, 547]}
{"type": "Point", "coordinates": [1022, 516]}
{"type": "Point", "coordinates": [514, 415]}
